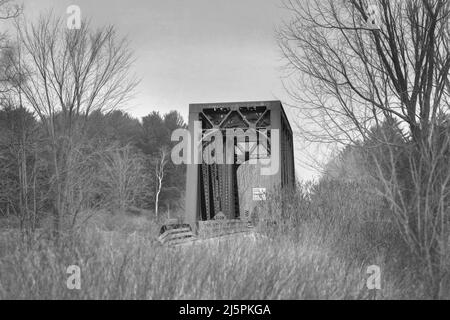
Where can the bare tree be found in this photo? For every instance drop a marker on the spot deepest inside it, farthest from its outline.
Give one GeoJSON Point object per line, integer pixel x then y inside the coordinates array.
{"type": "Point", "coordinates": [19, 129]}
{"type": "Point", "coordinates": [416, 184]}
{"type": "Point", "coordinates": [8, 10]}
{"type": "Point", "coordinates": [122, 178]}
{"type": "Point", "coordinates": [18, 149]}
{"type": "Point", "coordinates": [354, 64]}
{"type": "Point", "coordinates": [67, 74]}
{"type": "Point", "coordinates": [160, 165]}
{"type": "Point", "coordinates": [348, 76]}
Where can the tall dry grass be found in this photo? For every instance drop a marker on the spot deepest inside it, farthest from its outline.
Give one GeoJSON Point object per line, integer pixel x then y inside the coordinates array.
{"type": "Point", "coordinates": [318, 247]}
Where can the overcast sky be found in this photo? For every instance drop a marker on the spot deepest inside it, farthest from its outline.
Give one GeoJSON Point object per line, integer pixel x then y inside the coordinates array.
{"type": "Point", "coordinates": [191, 51]}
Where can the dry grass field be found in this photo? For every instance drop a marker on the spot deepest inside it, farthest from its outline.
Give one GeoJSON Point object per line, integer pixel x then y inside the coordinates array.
{"type": "Point", "coordinates": [321, 251]}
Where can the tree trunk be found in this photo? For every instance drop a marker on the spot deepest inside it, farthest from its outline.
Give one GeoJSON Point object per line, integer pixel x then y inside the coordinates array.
{"type": "Point", "coordinates": [156, 204]}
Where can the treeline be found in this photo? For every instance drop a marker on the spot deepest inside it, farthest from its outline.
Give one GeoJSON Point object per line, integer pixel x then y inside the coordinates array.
{"type": "Point", "coordinates": [66, 149]}
{"type": "Point", "coordinates": [114, 165]}
{"type": "Point", "coordinates": [413, 182]}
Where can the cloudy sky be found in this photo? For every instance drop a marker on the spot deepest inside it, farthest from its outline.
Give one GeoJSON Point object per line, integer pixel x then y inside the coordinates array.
{"type": "Point", "coordinates": [191, 51]}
